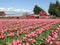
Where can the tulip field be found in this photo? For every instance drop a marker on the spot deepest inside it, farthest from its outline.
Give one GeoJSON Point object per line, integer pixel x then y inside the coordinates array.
{"type": "Point", "coordinates": [30, 32]}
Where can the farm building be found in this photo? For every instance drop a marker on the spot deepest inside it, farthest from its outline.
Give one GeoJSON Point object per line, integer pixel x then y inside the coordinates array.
{"type": "Point", "coordinates": [41, 15]}
{"type": "Point", "coordinates": [44, 15]}
{"type": "Point", "coordinates": [2, 13]}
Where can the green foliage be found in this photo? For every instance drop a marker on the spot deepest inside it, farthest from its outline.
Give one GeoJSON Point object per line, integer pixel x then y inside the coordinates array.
{"type": "Point", "coordinates": [54, 9]}
{"type": "Point", "coordinates": [37, 10]}
{"type": "Point", "coordinates": [58, 39]}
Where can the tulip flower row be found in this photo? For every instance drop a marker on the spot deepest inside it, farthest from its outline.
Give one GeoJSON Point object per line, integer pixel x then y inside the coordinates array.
{"type": "Point", "coordinates": [53, 36]}
{"type": "Point", "coordinates": [34, 34]}
{"type": "Point", "coordinates": [24, 32]}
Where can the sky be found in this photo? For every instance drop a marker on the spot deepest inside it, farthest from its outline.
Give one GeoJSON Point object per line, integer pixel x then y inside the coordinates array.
{"type": "Point", "coordinates": [18, 6]}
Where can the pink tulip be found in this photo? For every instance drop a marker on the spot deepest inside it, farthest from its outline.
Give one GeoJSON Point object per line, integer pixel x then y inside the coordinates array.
{"type": "Point", "coordinates": [11, 34]}
{"type": "Point", "coordinates": [56, 43]}
{"type": "Point", "coordinates": [20, 32]}
{"type": "Point", "coordinates": [24, 38]}
{"type": "Point", "coordinates": [27, 43]}
{"type": "Point", "coordinates": [2, 36]}
{"type": "Point", "coordinates": [31, 40]}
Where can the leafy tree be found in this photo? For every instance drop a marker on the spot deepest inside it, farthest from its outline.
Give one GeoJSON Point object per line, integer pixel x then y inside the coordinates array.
{"type": "Point", "coordinates": [37, 9]}
{"type": "Point", "coordinates": [57, 3]}
{"type": "Point", "coordinates": [51, 9]}
{"type": "Point", "coordinates": [54, 9]}
{"type": "Point", "coordinates": [57, 8]}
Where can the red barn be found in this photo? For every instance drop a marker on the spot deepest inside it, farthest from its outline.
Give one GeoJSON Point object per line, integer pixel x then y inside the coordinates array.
{"type": "Point", "coordinates": [43, 13]}
{"type": "Point", "coordinates": [2, 13]}
{"type": "Point", "coordinates": [31, 16]}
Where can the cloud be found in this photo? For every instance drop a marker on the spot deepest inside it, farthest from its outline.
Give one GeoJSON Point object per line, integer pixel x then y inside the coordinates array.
{"type": "Point", "coordinates": [13, 11]}
{"type": "Point", "coordinates": [2, 9]}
